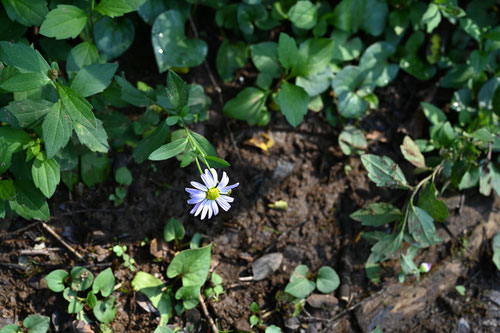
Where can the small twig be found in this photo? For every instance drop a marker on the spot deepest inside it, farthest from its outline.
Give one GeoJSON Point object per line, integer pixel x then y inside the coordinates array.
{"type": "Point", "coordinates": [62, 241]}
{"type": "Point", "coordinates": [209, 318]}
{"type": "Point", "coordinates": [246, 278]}
{"type": "Point", "coordinates": [44, 252]}
{"type": "Point", "coordinates": [8, 264]}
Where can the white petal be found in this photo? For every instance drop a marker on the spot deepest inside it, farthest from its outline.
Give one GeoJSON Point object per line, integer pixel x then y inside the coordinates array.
{"type": "Point", "coordinates": [226, 198]}
{"type": "Point", "coordinates": [226, 189]}
{"type": "Point", "coordinates": [223, 203]}
{"type": "Point", "coordinates": [206, 208]}
{"type": "Point", "coordinates": [200, 207]}
{"type": "Point", "coordinates": [193, 201]}
{"type": "Point", "coordinates": [223, 181]}
{"type": "Point", "coordinates": [193, 191]}
{"type": "Point", "coordinates": [195, 208]}
{"type": "Point", "coordinates": [201, 195]}
{"type": "Point", "coordinates": [207, 180]}
{"type": "Point", "coordinates": [215, 207]}
{"type": "Point", "coordinates": [210, 209]}
{"type": "Point", "coordinates": [214, 175]}
{"type": "Point", "coordinates": [199, 186]}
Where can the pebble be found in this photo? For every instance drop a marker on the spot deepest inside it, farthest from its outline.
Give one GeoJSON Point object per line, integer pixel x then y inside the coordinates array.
{"type": "Point", "coordinates": [266, 265]}
{"type": "Point", "coordinates": [463, 326]}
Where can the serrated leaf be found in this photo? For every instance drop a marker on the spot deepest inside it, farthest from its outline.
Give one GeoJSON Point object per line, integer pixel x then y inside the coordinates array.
{"type": "Point", "coordinates": [93, 79]}
{"type": "Point", "coordinates": [26, 12]}
{"type": "Point", "coordinates": [327, 280]}
{"type": "Point", "coordinates": [293, 101]}
{"type": "Point", "coordinates": [385, 246]}
{"type": "Point", "coordinates": [46, 175]}
{"type": "Point", "coordinates": [28, 111]}
{"type": "Point", "coordinates": [24, 82]}
{"type": "Point", "coordinates": [55, 280]}
{"type": "Point", "coordinates": [169, 150]}
{"type": "Point", "coordinates": [114, 8]}
{"type": "Point", "coordinates": [23, 57]}
{"type": "Point", "coordinates": [104, 282]}
{"type": "Point", "coordinates": [65, 21]}
{"type": "Point", "coordinates": [412, 153]}
{"type": "Point", "coordinates": [377, 214]}
{"type": "Point", "coordinates": [78, 108]}
{"type": "Point", "coordinates": [57, 128]}
{"type": "Point", "coordinates": [96, 139]}
{"type": "Point", "coordinates": [299, 286]}
{"type": "Point", "coordinates": [29, 202]}
{"type": "Point", "coordinates": [192, 265]}
{"type": "Point", "coordinates": [384, 172]}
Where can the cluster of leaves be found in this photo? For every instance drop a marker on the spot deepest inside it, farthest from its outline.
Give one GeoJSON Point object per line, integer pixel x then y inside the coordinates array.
{"type": "Point", "coordinates": [73, 286]}
{"type": "Point", "coordinates": [57, 123]}
{"type": "Point", "coordinates": [188, 272]}
{"type": "Point", "coordinates": [33, 323]}
{"type": "Point", "coordinates": [128, 261]}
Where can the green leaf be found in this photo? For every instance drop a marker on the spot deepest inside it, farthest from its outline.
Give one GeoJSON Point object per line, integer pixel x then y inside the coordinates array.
{"type": "Point", "coordinates": [377, 214]}
{"type": "Point", "coordinates": [28, 111]}
{"type": "Point", "coordinates": [55, 280]}
{"type": "Point", "coordinates": [346, 15]}
{"type": "Point", "coordinates": [173, 230]}
{"type": "Point", "coordinates": [352, 141]}
{"type": "Point", "coordinates": [104, 282]}
{"type": "Point", "coordinates": [170, 45]}
{"type": "Point", "coordinates": [304, 15]}
{"type": "Point", "coordinates": [247, 105]}
{"type": "Point", "coordinates": [57, 128]}
{"type": "Point", "coordinates": [153, 288]}
{"type": "Point", "coordinates": [218, 161]}
{"type": "Point", "coordinates": [23, 57]}
{"type": "Point", "coordinates": [190, 296]}
{"type": "Point", "coordinates": [95, 169]}
{"type": "Point", "coordinates": [29, 202]}
{"type": "Point", "coordinates": [230, 57]}
{"type": "Point", "coordinates": [81, 278]}
{"type": "Point", "coordinates": [25, 82]}
{"type": "Point", "coordinates": [316, 84]}
{"type": "Point", "coordinates": [412, 63]}
{"type": "Point", "coordinates": [10, 30]}
{"type": "Point", "coordinates": [384, 172]}
{"type": "Point", "coordinates": [91, 299]}
{"type": "Point", "coordinates": [74, 305]}
{"type": "Point", "coordinates": [432, 17]}
{"type": "Point", "coordinates": [7, 189]}
{"type": "Point", "coordinates": [375, 17]}
{"type": "Point", "coordinates": [84, 54]}
{"type": "Point", "coordinates": [95, 139]}
{"type": "Point", "coordinates": [65, 21]}
{"type": "Point", "coordinates": [192, 265]}
{"type": "Point", "coordinates": [177, 90]}
{"type": "Point", "coordinates": [273, 329]}
{"type": "Point", "coordinates": [293, 101]}
{"type": "Point", "coordinates": [10, 328]}
{"type": "Point", "coordinates": [457, 76]}
{"type": "Point", "coordinates": [411, 152]}
{"type": "Point", "coordinates": [46, 175]}
{"type": "Point", "coordinates": [428, 202]}
{"type": "Point", "coordinates": [14, 138]}
{"type": "Point", "coordinates": [433, 114]}
{"type": "Point", "coordinates": [37, 324]}
{"type": "Point", "coordinates": [169, 150]}
{"type": "Point", "coordinates": [78, 108]}
{"type": "Point", "coordinates": [150, 10]}
{"type": "Point", "coordinates": [421, 227]}
{"type": "Point", "coordinates": [123, 176]}
{"type": "Point", "coordinates": [487, 93]}
{"type": "Point", "coordinates": [386, 245]}
{"type": "Point", "coordinates": [327, 280]}
{"type": "Point", "coordinates": [299, 286]}
{"type": "Point", "coordinates": [314, 55]}
{"type": "Point", "coordinates": [26, 12]}
{"type": "Point", "coordinates": [5, 156]}
{"type": "Point", "coordinates": [131, 94]}
{"type": "Point", "coordinates": [495, 245]}
{"type": "Point", "coordinates": [265, 58]}
{"type": "Point", "coordinates": [288, 53]}
{"type": "Point", "coordinates": [114, 36]}
{"type": "Point", "coordinates": [115, 8]}
{"type": "Point", "coordinates": [93, 79]}
{"type": "Point", "coordinates": [105, 311]}
{"type": "Point", "coordinates": [344, 49]}
{"type": "Point", "coordinates": [151, 143]}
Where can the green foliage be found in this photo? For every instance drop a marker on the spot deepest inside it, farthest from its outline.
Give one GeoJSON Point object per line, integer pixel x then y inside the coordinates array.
{"type": "Point", "coordinates": [496, 250]}
{"type": "Point", "coordinates": [301, 286]}
{"type": "Point", "coordinates": [129, 262]}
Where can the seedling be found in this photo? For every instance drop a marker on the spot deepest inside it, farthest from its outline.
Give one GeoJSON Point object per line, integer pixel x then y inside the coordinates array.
{"type": "Point", "coordinates": [120, 251]}
{"type": "Point", "coordinates": [124, 178]}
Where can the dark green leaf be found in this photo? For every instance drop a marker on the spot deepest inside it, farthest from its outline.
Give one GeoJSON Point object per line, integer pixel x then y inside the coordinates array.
{"type": "Point", "coordinates": [151, 143]}
{"type": "Point", "coordinates": [314, 55]}
{"type": "Point", "coordinates": [173, 230]}
{"type": "Point", "coordinates": [105, 311]}
{"type": "Point", "coordinates": [37, 324]}
{"type": "Point", "coordinates": [433, 114]}
{"type": "Point", "coordinates": [169, 150]}
{"type": "Point", "coordinates": [7, 189]}
{"type": "Point", "coordinates": [265, 57]}
{"type": "Point", "coordinates": [192, 265]}
{"type": "Point", "coordinates": [177, 90]}
{"type": "Point", "coordinates": [247, 105]}
{"type": "Point", "coordinates": [84, 54]}
{"type": "Point", "coordinates": [458, 76]}
{"type": "Point", "coordinates": [429, 203]}
{"type": "Point", "coordinates": [421, 227]}
{"type": "Point", "coordinates": [123, 176]}
{"type": "Point", "coordinates": [29, 202]}
{"type": "Point", "coordinates": [26, 12]}
{"type": "Point", "coordinates": [57, 128]}
{"type": "Point", "coordinates": [377, 214]}
{"type": "Point", "coordinates": [231, 57]}
{"type": "Point", "coordinates": [93, 79]}
{"type": "Point", "coordinates": [78, 108]}
{"type": "Point", "coordinates": [81, 278]}
{"type": "Point", "coordinates": [55, 280]}
{"type": "Point", "coordinates": [386, 245]}
{"type": "Point", "coordinates": [95, 139]}
{"type": "Point", "coordinates": [23, 57]}
{"type": "Point", "coordinates": [115, 8]}
{"type": "Point", "coordinates": [375, 17]}
{"type": "Point", "coordinates": [104, 282]}
{"type": "Point", "coordinates": [24, 82]}
{"type": "Point", "coordinates": [114, 36]}
{"type": "Point", "coordinates": [294, 102]}
{"type": "Point", "coordinates": [190, 296]}
{"type": "Point", "coordinates": [46, 175]}
{"type": "Point", "coordinates": [288, 53]}
{"type": "Point", "coordinates": [133, 95]}
{"type": "Point", "coordinates": [28, 111]}
{"type": "Point", "coordinates": [327, 280]}
{"type": "Point", "coordinates": [95, 169]}
{"type": "Point", "coordinates": [384, 172]}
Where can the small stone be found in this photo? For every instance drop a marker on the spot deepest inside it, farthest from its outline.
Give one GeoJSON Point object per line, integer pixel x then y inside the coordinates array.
{"type": "Point", "coordinates": [266, 265]}
{"type": "Point", "coordinates": [493, 295]}
{"type": "Point", "coordinates": [292, 323]}
{"type": "Point", "coordinates": [463, 326]}
{"type": "Point", "coordinates": [319, 301]}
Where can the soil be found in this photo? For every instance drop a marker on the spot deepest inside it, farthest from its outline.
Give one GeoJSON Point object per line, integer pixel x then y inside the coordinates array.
{"type": "Point", "coordinates": [304, 167]}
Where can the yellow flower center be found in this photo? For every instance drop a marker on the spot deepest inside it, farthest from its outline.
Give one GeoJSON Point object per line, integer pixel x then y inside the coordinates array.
{"type": "Point", "coordinates": [213, 193]}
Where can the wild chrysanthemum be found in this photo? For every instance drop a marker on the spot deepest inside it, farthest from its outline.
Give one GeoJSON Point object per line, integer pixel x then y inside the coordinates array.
{"type": "Point", "coordinates": [207, 198]}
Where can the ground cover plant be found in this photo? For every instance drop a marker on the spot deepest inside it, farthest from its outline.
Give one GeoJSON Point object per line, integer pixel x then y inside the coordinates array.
{"type": "Point", "coordinates": [345, 149]}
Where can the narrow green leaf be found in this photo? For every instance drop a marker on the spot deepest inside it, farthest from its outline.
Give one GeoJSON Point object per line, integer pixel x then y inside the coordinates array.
{"type": "Point", "coordinates": [177, 90]}
{"type": "Point", "coordinates": [169, 150]}
{"type": "Point", "coordinates": [28, 111]}
{"type": "Point", "coordinates": [29, 202]}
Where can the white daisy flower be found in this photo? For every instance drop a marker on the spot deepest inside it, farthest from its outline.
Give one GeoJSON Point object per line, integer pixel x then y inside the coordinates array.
{"type": "Point", "coordinates": [207, 198]}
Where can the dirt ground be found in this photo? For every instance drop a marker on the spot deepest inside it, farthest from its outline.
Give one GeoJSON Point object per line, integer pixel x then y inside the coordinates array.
{"type": "Point", "coordinates": [306, 168]}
